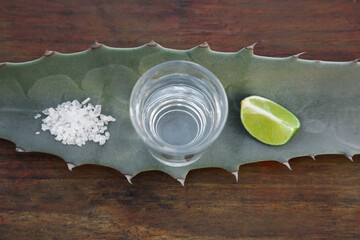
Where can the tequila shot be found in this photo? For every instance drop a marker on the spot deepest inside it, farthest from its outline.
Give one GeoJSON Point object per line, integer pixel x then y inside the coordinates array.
{"type": "Point", "coordinates": [178, 108]}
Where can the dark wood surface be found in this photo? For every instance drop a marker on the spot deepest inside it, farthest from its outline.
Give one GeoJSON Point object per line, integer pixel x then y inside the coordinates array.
{"type": "Point", "coordinates": [41, 199]}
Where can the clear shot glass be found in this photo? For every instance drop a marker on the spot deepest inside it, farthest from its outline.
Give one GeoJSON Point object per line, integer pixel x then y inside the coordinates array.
{"type": "Point", "coordinates": [178, 108]}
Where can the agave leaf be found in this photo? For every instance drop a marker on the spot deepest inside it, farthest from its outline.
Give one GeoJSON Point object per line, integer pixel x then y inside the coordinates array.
{"type": "Point", "coordinates": [323, 95]}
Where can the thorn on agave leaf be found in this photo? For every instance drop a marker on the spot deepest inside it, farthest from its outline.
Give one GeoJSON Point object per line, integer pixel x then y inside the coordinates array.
{"type": "Point", "coordinates": [48, 53]}
{"type": "Point", "coordinates": [2, 64]}
{"type": "Point", "coordinates": [204, 45]}
{"type": "Point", "coordinates": [70, 166]}
{"type": "Point", "coordinates": [313, 157]}
{"type": "Point", "coordinates": [350, 158]}
{"type": "Point", "coordinates": [287, 164]}
{"type": "Point", "coordinates": [355, 60]}
{"type": "Point", "coordinates": [19, 149]}
{"type": "Point", "coordinates": [96, 45]}
{"type": "Point", "coordinates": [298, 55]}
{"type": "Point", "coordinates": [236, 174]}
{"type": "Point", "coordinates": [182, 181]}
{"type": "Point", "coordinates": [251, 47]}
{"type": "Point", "coordinates": [129, 177]}
{"type": "Point", "coordinates": [152, 43]}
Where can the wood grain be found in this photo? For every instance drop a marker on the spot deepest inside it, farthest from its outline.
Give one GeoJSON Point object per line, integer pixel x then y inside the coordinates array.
{"type": "Point", "coordinates": [41, 199]}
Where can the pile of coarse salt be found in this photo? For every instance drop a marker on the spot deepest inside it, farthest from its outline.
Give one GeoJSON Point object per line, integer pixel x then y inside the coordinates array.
{"type": "Point", "coordinates": [75, 123]}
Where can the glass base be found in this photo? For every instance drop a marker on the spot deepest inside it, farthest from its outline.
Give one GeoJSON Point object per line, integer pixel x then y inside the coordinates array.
{"type": "Point", "coordinates": [175, 161]}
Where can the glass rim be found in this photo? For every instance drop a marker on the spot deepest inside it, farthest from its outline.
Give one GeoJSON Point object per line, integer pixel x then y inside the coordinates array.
{"type": "Point", "coordinates": [168, 149]}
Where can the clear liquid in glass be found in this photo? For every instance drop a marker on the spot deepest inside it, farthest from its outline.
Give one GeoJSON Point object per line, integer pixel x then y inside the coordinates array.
{"type": "Point", "coordinates": [179, 112]}
{"type": "Point", "coordinates": [178, 108]}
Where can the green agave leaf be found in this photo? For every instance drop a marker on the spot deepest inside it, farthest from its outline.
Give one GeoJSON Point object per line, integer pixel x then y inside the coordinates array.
{"type": "Point", "coordinates": [323, 95]}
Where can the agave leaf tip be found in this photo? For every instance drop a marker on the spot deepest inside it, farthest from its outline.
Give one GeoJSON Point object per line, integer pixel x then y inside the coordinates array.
{"type": "Point", "coordinates": [129, 177]}
{"type": "Point", "coordinates": [152, 43]}
{"type": "Point", "coordinates": [350, 158]}
{"type": "Point", "coordinates": [19, 149]}
{"type": "Point", "coordinates": [182, 181]}
{"type": "Point", "coordinates": [70, 166]}
{"type": "Point", "coordinates": [96, 45]}
{"type": "Point", "coordinates": [287, 164]}
{"type": "Point", "coordinates": [236, 175]}
{"type": "Point", "coordinates": [298, 55]}
{"type": "Point", "coordinates": [48, 53]}
{"type": "Point", "coordinates": [251, 47]}
{"type": "Point", "coordinates": [204, 45]}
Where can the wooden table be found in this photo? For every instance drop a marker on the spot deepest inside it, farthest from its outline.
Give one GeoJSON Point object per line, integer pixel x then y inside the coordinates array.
{"type": "Point", "coordinates": [41, 199]}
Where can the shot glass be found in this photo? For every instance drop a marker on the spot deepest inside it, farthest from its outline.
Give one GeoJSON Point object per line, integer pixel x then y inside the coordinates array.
{"type": "Point", "coordinates": [178, 108]}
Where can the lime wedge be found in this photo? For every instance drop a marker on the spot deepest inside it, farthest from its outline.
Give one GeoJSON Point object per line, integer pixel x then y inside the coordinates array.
{"type": "Point", "coordinates": [267, 121]}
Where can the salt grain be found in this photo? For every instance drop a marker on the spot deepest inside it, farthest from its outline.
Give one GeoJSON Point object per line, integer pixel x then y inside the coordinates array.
{"type": "Point", "coordinates": [73, 123]}
{"type": "Point", "coordinates": [85, 101]}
